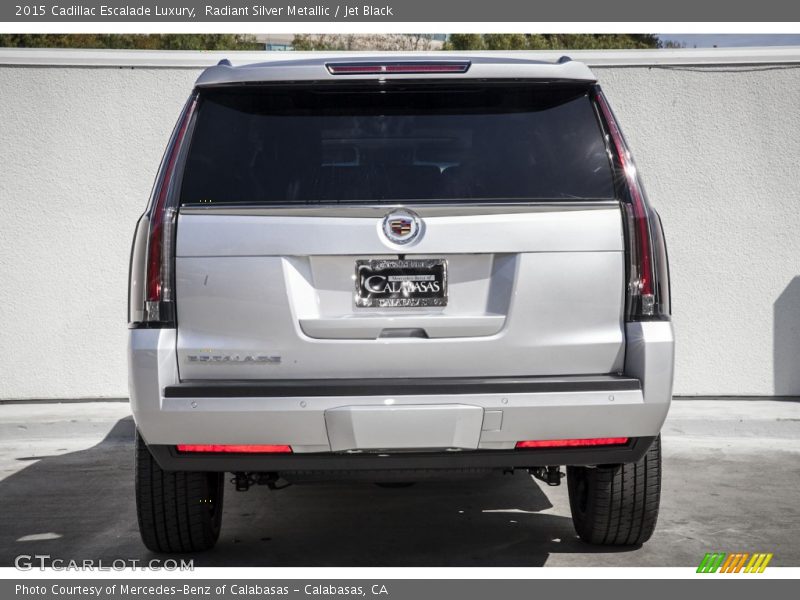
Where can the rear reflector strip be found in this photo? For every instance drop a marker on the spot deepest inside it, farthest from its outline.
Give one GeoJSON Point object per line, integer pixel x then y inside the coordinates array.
{"type": "Point", "coordinates": [364, 68]}
{"type": "Point", "coordinates": [235, 449]}
{"type": "Point", "coordinates": [619, 441]}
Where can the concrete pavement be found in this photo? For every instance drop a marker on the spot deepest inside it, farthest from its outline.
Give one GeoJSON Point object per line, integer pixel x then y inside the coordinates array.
{"type": "Point", "coordinates": [731, 483]}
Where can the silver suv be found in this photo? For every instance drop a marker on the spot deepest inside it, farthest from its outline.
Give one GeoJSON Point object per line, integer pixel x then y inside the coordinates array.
{"type": "Point", "coordinates": [393, 268]}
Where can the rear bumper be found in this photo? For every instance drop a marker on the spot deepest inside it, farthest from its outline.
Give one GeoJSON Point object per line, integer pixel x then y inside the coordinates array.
{"type": "Point", "coordinates": [346, 464]}
{"type": "Point", "coordinates": [480, 418]}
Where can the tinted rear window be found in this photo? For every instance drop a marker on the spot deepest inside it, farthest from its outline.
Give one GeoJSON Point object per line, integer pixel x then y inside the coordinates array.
{"type": "Point", "coordinates": [284, 145]}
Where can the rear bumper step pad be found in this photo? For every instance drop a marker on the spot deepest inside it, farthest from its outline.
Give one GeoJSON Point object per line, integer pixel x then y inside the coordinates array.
{"type": "Point", "coordinates": [287, 388]}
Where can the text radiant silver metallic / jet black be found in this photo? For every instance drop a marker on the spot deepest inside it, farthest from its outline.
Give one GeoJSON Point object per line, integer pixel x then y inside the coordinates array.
{"type": "Point", "coordinates": [392, 268]}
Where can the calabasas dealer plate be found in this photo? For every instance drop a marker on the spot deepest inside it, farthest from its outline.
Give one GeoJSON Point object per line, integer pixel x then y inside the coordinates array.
{"type": "Point", "coordinates": [400, 283]}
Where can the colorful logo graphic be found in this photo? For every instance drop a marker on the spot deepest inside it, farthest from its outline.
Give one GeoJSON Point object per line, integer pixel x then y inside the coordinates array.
{"type": "Point", "coordinates": [737, 562]}
{"type": "Point", "coordinates": [400, 226]}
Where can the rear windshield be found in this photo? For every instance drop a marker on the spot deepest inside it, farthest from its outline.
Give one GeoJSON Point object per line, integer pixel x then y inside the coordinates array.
{"type": "Point", "coordinates": [285, 145]}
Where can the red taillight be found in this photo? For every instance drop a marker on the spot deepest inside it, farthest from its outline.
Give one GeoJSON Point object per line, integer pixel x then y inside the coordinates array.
{"type": "Point", "coordinates": [618, 441]}
{"type": "Point", "coordinates": [157, 278]}
{"type": "Point", "coordinates": [642, 284]}
{"type": "Point", "coordinates": [372, 68]}
{"type": "Point", "coordinates": [235, 449]}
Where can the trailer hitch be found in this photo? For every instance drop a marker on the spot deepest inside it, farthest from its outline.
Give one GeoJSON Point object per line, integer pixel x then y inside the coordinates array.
{"type": "Point", "coordinates": [550, 475]}
{"type": "Point", "coordinates": [243, 481]}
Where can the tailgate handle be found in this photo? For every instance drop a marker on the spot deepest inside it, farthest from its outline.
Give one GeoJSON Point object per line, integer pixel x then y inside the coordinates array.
{"type": "Point", "coordinates": [403, 332]}
{"type": "Point", "coordinates": [368, 327]}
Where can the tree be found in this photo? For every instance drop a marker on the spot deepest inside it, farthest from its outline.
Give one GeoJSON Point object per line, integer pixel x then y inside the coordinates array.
{"type": "Point", "coordinates": [390, 41]}
{"type": "Point", "coordinates": [465, 41]}
{"type": "Point", "coordinates": [506, 41]}
{"type": "Point", "coordinates": [549, 41]}
{"type": "Point", "coordinates": [203, 41]}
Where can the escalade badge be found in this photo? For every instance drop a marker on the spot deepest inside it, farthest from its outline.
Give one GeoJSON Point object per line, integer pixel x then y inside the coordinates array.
{"type": "Point", "coordinates": [261, 359]}
{"type": "Point", "coordinates": [402, 226]}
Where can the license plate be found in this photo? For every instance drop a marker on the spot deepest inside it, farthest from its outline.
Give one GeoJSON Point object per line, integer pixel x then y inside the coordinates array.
{"type": "Point", "coordinates": [398, 283]}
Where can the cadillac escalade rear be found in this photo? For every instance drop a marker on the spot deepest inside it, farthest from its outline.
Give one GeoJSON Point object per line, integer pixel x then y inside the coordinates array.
{"type": "Point", "coordinates": [393, 268]}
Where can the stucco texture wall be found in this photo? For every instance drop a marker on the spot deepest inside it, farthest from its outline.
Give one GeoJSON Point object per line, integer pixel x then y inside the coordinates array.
{"type": "Point", "coordinates": [80, 148]}
{"type": "Point", "coordinates": [719, 149]}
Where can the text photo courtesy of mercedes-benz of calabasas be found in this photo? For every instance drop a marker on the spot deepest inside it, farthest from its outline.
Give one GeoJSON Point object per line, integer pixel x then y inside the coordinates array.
{"type": "Point", "coordinates": [394, 268]}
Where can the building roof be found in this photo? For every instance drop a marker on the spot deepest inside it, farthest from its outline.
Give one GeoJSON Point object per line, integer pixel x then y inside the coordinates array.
{"type": "Point", "coordinates": [197, 59]}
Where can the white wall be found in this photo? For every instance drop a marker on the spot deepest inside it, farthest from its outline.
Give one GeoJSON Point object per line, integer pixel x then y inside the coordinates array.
{"type": "Point", "coordinates": [718, 142]}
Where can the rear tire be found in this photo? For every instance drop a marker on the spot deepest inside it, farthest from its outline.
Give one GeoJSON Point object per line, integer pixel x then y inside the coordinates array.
{"type": "Point", "coordinates": [617, 505]}
{"type": "Point", "coordinates": [178, 511]}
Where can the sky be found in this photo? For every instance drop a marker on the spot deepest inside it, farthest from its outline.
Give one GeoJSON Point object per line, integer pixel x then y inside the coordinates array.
{"type": "Point", "coordinates": [731, 40]}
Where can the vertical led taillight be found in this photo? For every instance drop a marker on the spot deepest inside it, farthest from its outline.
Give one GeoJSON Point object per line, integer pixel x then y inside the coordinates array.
{"type": "Point", "coordinates": [648, 276]}
{"type": "Point", "coordinates": [158, 292]}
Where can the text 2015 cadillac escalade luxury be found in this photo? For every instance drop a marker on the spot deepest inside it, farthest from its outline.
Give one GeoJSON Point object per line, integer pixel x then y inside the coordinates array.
{"type": "Point", "coordinates": [393, 268]}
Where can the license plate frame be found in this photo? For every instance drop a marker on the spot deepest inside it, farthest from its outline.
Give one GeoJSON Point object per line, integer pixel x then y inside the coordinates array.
{"type": "Point", "coordinates": [401, 283]}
